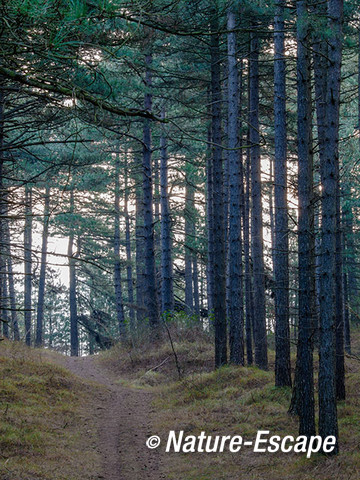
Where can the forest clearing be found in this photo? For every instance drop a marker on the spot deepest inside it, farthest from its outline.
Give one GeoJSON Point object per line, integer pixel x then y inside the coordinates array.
{"type": "Point", "coordinates": [179, 239]}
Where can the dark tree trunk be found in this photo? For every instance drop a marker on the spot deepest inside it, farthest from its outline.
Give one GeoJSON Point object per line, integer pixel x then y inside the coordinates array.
{"type": "Point", "coordinates": [210, 228]}
{"type": "Point", "coordinates": [140, 257]}
{"type": "Point", "coordinates": [329, 179]}
{"type": "Point", "coordinates": [218, 251]}
{"type": "Point", "coordinates": [188, 215]}
{"type": "Point", "coordinates": [39, 339]}
{"type": "Point", "coordinates": [196, 285]}
{"type": "Point", "coordinates": [28, 264]}
{"type": "Point", "coordinates": [235, 267]}
{"type": "Point", "coordinates": [129, 272]}
{"type": "Point", "coordinates": [256, 217]}
{"type": "Point", "coordinates": [167, 295]}
{"type": "Point", "coordinates": [5, 302]}
{"type": "Point", "coordinates": [74, 333]}
{"type": "Point", "coordinates": [281, 247]}
{"type": "Point", "coordinates": [120, 316]}
{"type": "Point", "coordinates": [151, 300]}
{"type": "Point", "coordinates": [303, 396]}
{"type": "Point", "coordinates": [249, 302]}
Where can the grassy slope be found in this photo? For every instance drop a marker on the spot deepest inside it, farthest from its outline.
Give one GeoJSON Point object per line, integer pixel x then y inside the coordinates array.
{"type": "Point", "coordinates": [234, 400]}
{"type": "Point", "coordinates": [42, 419]}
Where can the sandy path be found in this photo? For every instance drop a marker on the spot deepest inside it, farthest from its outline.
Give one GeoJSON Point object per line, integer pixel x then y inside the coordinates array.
{"type": "Point", "coordinates": [122, 419]}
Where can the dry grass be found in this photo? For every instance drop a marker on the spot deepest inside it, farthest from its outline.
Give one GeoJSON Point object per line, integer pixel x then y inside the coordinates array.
{"type": "Point", "coordinates": [43, 419]}
{"type": "Point", "coordinates": [234, 400]}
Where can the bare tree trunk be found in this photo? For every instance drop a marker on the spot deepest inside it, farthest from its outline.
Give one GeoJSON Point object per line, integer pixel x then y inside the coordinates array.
{"type": "Point", "coordinates": [260, 334]}
{"type": "Point", "coordinates": [303, 394]}
{"type": "Point", "coordinates": [235, 266]}
{"type": "Point", "coordinates": [167, 294]}
{"type": "Point", "coordinates": [151, 300]}
{"type": "Point", "coordinates": [329, 178]}
{"type": "Point", "coordinates": [188, 215]}
{"type": "Point", "coordinates": [129, 272]}
{"type": "Point", "coordinates": [218, 260]}
{"type": "Point", "coordinates": [39, 339]}
{"type": "Point", "coordinates": [28, 264]}
{"type": "Point", "coordinates": [117, 262]}
{"type": "Point", "coordinates": [281, 246]}
{"type": "Point", "coordinates": [74, 333]}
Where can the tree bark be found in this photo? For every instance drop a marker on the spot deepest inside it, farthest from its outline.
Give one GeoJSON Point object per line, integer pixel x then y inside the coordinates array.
{"type": "Point", "coordinates": [120, 316]}
{"type": "Point", "coordinates": [218, 251]}
{"type": "Point", "coordinates": [260, 334]}
{"type": "Point", "coordinates": [151, 299]}
{"type": "Point", "coordinates": [28, 264]}
{"type": "Point", "coordinates": [74, 333]}
{"type": "Point", "coordinates": [281, 247]}
{"type": "Point", "coordinates": [235, 266]}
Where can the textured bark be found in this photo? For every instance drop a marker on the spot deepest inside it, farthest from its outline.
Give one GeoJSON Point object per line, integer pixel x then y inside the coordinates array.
{"type": "Point", "coordinates": [5, 302]}
{"type": "Point", "coordinates": [188, 215]}
{"type": "Point", "coordinates": [39, 338]}
{"type": "Point", "coordinates": [249, 302]}
{"type": "Point", "coordinates": [140, 257]}
{"type": "Point", "coordinates": [151, 299]}
{"type": "Point", "coordinates": [281, 246]}
{"type": "Point", "coordinates": [196, 285]}
{"type": "Point", "coordinates": [129, 272]}
{"type": "Point", "coordinates": [120, 316]}
{"type": "Point", "coordinates": [218, 257]}
{"type": "Point", "coordinates": [235, 266]}
{"type": "Point", "coordinates": [28, 264]}
{"type": "Point", "coordinates": [260, 335]}
{"type": "Point", "coordinates": [74, 333]}
{"type": "Point", "coordinates": [210, 228]}
{"type": "Point", "coordinates": [329, 178]}
{"type": "Point", "coordinates": [303, 395]}
{"type": "Point", "coordinates": [167, 295]}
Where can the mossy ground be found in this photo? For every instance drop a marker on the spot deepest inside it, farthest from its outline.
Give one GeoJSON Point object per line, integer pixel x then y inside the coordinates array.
{"type": "Point", "coordinates": [43, 419]}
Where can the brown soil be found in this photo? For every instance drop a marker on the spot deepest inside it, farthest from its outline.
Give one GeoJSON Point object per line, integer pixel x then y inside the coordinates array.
{"type": "Point", "coordinates": [122, 418]}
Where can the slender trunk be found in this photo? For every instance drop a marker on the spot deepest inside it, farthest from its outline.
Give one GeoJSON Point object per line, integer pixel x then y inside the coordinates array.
{"type": "Point", "coordinates": [196, 285]}
{"type": "Point", "coordinates": [281, 245]}
{"type": "Point", "coordinates": [167, 295]}
{"type": "Point", "coordinates": [210, 228]}
{"type": "Point", "coordinates": [235, 267]}
{"type": "Point", "coordinates": [120, 316]}
{"type": "Point", "coordinates": [256, 217]}
{"type": "Point", "coordinates": [218, 260]}
{"type": "Point", "coordinates": [151, 300]}
{"type": "Point", "coordinates": [303, 396]}
{"type": "Point", "coordinates": [28, 264]}
{"type": "Point", "coordinates": [129, 272]}
{"type": "Point", "coordinates": [74, 334]}
{"type": "Point", "coordinates": [39, 339]}
{"type": "Point", "coordinates": [329, 178]}
{"type": "Point", "coordinates": [249, 303]}
{"type": "Point", "coordinates": [140, 257]}
{"type": "Point", "coordinates": [188, 214]}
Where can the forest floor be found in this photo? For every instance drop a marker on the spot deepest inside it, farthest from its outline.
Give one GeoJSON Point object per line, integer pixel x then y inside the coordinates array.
{"type": "Point", "coordinates": [122, 420]}
{"type": "Point", "coordinates": [88, 418]}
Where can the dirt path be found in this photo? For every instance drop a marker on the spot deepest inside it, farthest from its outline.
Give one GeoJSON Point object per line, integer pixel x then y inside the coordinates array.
{"type": "Point", "coordinates": [122, 419]}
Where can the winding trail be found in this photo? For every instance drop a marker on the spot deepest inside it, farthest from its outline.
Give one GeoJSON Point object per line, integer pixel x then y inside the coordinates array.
{"type": "Point", "coordinates": [123, 421]}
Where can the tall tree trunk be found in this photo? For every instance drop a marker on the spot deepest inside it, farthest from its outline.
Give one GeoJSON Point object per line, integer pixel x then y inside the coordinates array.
{"type": "Point", "coordinates": [74, 333]}
{"type": "Point", "coordinates": [329, 179]}
{"type": "Point", "coordinates": [218, 251]}
{"type": "Point", "coordinates": [303, 396]}
{"type": "Point", "coordinates": [151, 300]}
{"type": "Point", "coordinates": [196, 285]}
{"type": "Point", "coordinates": [28, 264]}
{"type": "Point", "coordinates": [188, 215]}
{"type": "Point", "coordinates": [256, 217]}
{"type": "Point", "coordinates": [39, 339]}
{"type": "Point", "coordinates": [140, 256]}
{"type": "Point", "coordinates": [249, 302]}
{"type": "Point", "coordinates": [12, 294]}
{"type": "Point", "coordinates": [120, 316]}
{"type": "Point", "coordinates": [129, 272]}
{"type": "Point", "coordinates": [5, 303]}
{"type": "Point", "coordinates": [235, 267]}
{"type": "Point", "coordinates": [281, 246]}
{"type": "Point", "coordinates": [210, 221]}
{"type": "Point", "coordinates": [167, 294]}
